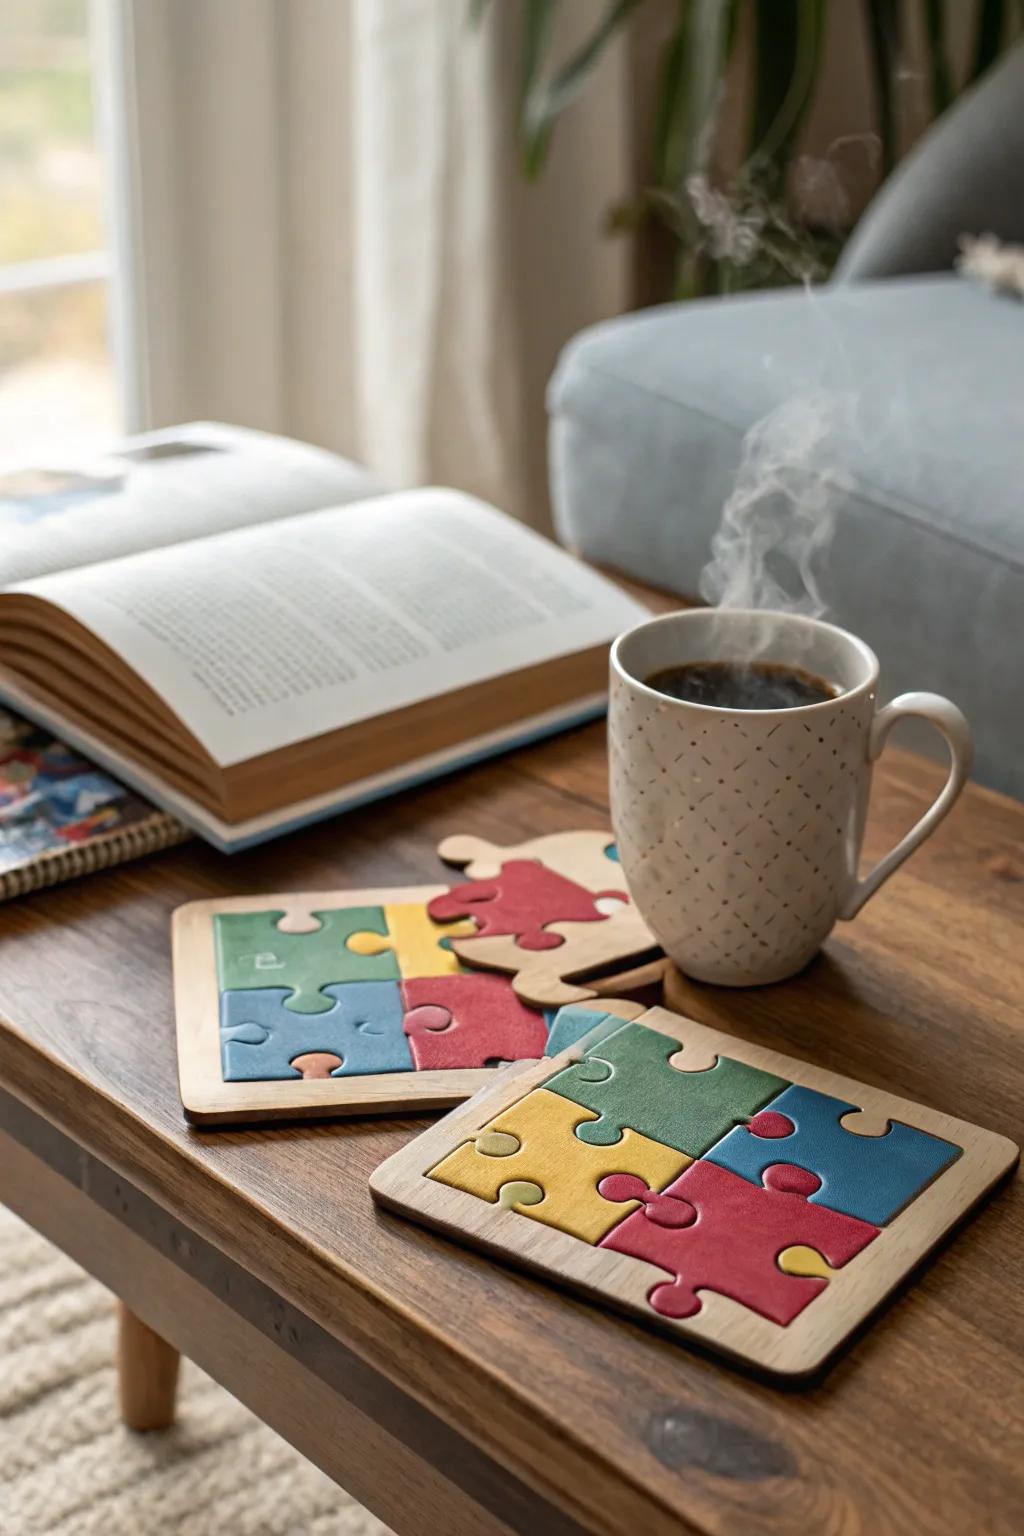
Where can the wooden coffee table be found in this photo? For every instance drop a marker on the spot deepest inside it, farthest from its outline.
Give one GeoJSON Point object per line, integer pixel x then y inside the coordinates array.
{"type": "Point", "coordinates": [457, 1397]}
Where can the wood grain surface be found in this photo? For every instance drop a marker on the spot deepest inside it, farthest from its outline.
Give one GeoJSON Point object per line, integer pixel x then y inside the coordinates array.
{"type": "Point", "coordinates": [919, 1424]}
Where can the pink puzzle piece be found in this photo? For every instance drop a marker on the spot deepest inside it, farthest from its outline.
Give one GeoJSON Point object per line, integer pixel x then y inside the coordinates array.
{"type": "Point", "coordinates": [714, 1231]}
{"type": "Point", "coordinates": [469, 1021]}
{"type": "Point", "coordinates": [520, 902]}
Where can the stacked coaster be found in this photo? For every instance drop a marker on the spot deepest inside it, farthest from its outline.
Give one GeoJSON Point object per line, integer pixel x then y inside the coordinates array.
{"type": "Point", "coordinates": [316, 1003]}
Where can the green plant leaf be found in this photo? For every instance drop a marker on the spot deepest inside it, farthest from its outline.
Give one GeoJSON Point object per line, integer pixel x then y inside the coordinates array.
{"type": "Point", "coordinates": [538, 21]}
{"type": "Point", "coordinates": [884, 28]}
{"type": "Point", "coordinates": [545, 101]}
{"type": "Point", "coordinates": [789, 36]}
{"type": "Point", "coordinates": [669, 110]}
{"type": "Point", "coordinates": [940, 76]}
{"type": "Point", "coordinates": [989, 25]}
{"type": "Point", "coordinates": [693, 64]}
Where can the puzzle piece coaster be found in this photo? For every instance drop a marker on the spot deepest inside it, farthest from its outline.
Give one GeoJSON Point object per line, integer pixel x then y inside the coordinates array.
{"type": "Point", "coordinates": [547, 978]}
{"type": "Point", "coordinates": [872, 1177]}
{"type": "Point", "coordinates": [522, 898]}
{"type": "Point", "coordinates": [469, 1021]}
{"type": "Point", "coordinates": [263, 1039]}
{"type": "Point", "coordinates": [413, 942]}
{"type": "Point", "coordinates": [628, 1081]}
{"type": "Point", "coordinates": [589, 859]}
{"type": "Point", "coordinates": [714, 1231]}
{"type": "Point", "coordinates": [252, 951]}
{"type": "Point", "coordinates": [534, 1142]}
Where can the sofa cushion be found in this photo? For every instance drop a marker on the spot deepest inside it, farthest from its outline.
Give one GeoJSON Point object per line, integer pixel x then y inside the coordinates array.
{"type": "Point", "coordinates": [926, 376]}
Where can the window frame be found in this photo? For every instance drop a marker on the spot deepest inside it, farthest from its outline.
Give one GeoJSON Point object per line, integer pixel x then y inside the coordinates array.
{"type": "Point", "coordinates": [113, 265]}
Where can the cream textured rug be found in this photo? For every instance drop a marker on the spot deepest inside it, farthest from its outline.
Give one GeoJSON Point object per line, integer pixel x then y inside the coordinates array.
{"type": "Point", "coordinates": [69, 1468]}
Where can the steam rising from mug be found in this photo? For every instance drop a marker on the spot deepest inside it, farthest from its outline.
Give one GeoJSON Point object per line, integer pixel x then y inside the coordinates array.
{"type": "Point", "coordinates": [776, 528]}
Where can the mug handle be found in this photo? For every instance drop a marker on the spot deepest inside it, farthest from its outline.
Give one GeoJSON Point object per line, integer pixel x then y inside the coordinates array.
{"type": "Point", "coordinates": [948, 720]}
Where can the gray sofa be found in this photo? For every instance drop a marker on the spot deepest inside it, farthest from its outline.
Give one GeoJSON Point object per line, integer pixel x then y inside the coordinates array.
{"type": "Point", "coordinates": [924, 460]}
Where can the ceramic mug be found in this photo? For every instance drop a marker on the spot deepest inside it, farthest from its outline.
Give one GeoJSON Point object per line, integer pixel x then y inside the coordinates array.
{"type": "Point", "coordinates": [740, 830]}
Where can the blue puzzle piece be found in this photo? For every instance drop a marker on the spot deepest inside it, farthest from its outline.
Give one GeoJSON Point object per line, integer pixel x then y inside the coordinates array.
{"type": "Point", "coordinates": [871, 1177]}
{"type": "Point", "coordinates": [572, 1023]}
{"type": "Point", "coordinates": [261, 1037]}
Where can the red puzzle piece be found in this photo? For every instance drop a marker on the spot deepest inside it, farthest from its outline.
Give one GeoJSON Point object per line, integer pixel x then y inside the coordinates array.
{"type": "Point", "coordinates": [715, 1231]}
{"type": "Point", "coordinates": [469, 1020]}
{"type": "Point", "coordinates": [523, 898]}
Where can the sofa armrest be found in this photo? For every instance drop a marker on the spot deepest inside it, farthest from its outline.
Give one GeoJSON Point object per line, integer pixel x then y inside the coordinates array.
{"type": "Point", "coordinates": [965, 176]}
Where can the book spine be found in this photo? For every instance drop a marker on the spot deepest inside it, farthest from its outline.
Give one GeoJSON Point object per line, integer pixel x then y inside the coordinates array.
{"type": "Point", "coordinates": [150, 836]}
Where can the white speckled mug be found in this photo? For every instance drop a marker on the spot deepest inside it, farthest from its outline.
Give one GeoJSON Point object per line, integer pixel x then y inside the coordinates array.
{"type": "Point", "coordinates": [740, 830]}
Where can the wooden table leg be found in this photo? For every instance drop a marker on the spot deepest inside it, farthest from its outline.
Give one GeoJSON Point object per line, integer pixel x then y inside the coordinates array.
{"type": "Point", "coordinates": [147, 1374]}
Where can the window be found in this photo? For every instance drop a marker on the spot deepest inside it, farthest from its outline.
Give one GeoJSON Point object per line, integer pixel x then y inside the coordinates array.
{"type": "Point", "coordinates": [57, 376]}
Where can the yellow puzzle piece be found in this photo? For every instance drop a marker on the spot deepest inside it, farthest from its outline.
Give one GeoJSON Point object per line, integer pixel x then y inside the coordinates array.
{"type": "Point", "coordinates": [416, 941]}
{"type": "Point", "coordinates": [534, 1143]}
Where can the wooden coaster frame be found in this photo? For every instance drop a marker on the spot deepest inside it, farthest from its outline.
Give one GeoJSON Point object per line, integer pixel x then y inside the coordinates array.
{"type": "Point", "coordinates": [209, 1100]}
{"type": "Point", "coordinates": [801, 1348]}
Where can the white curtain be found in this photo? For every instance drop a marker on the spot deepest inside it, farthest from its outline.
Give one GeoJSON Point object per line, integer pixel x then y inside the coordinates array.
{"type": "Point", "coordinates": [327, 233]}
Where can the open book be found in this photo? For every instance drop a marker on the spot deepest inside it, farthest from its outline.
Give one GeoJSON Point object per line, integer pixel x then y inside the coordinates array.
{"type": "Point", "coordinates": [249, 633]}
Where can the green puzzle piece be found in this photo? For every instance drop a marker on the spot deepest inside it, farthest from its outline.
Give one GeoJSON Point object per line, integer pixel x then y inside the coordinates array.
{"type": "Point", "coordinates": [627, 1080]}
{"type": "Point", "coordinates": [253, 952]}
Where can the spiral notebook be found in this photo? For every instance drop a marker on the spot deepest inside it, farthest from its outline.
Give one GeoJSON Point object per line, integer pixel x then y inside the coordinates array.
{"type": "Point", "coordinates": [60, 817]}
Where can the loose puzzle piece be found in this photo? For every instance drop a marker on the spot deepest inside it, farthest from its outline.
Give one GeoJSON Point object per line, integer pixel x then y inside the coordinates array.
{"type": "Point", "coordinates": [520, 900]}
{"type": "Point", "coordinates": [872, 1177]}
{"type": "Point", "coordinates": [469, 1021]}
{"type": "Point", "coordinates": [534, 1142]}
{"type": "Point", "coordinates": [628, 1080]}
{"type": "Point", "coordinates": [412, 941]}
{"type": "Point", "coordinates": [571, 1024]}
{"type": "Point", "coordinates": [546, 978]}
{"type": "Point", "coordinates": [587, 858]}
{"type": "Point", "coordinates": [714, 1231]}
{"type": "Point", "coordinates": [263, 1039]}
{"type": "Point", "coordinates": [252, 951]}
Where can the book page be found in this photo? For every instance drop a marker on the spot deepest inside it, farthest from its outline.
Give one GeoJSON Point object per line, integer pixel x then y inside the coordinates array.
{"type": "Point", "coordinates": [162, 488]}
{"type": "Point", "coordinates": [267, 636]}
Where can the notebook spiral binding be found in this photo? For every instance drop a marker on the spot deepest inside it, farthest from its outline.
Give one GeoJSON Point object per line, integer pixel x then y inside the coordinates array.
{"type": "Point", "coordinates": [157, 832]}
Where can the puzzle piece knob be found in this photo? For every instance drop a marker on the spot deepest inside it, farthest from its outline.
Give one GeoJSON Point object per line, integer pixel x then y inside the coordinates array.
{"type": "Point", "coordinates": [808, 1262]}
{"type": "Point", "coordinates": [787, 1179]}
{"type": "Point", "coordinates": [497, 1144]}
{"type": "Point", "coordinates": [247, 1033]}
{"type": "Point", "coordinates": [368, 943]}
{"type": "Point", "coordinates": [674, 1300]}
{"type": "Point", "coordinates": [593, 1070]}
{"type": "Point", "coordinates": [542, 939]}
{"type": "Point", "coordinates": [300, 922]}
{"type": "Point", "coordinates": [623, 1186]}
{"type": "Point", "coordinates": [316, 1064]}
{"type": "Point", "coordinates": [771, 1124]}
{"type": "Point", "coordinates": [664, 1210]}
{"type": "Point", "coordinates": [519, 1192]}
{"type": "Point", "coordinates": [428, 1016]}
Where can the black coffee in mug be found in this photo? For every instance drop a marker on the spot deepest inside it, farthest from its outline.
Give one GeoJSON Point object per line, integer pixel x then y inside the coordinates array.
{"type": "Point", "coordinates": [741, 684]}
